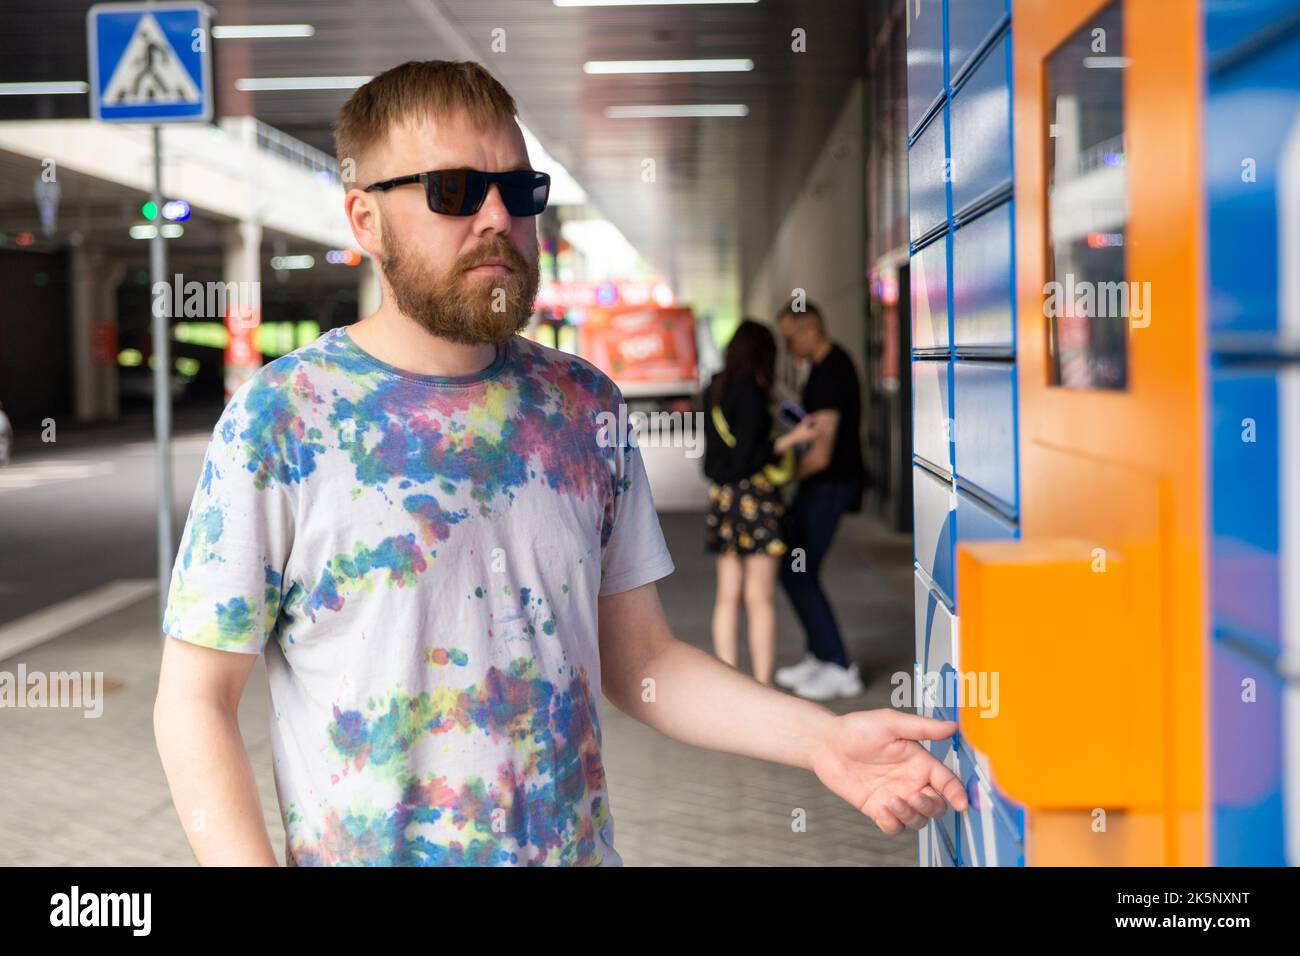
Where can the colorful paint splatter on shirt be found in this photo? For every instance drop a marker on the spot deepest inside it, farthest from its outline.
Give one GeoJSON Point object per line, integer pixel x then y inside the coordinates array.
{"type": "Point", "coordinates": [420, 558]}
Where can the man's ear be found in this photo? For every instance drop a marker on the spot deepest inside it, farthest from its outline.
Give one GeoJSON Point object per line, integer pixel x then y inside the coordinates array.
{"type": "Point", "coordinates": [363, 215]}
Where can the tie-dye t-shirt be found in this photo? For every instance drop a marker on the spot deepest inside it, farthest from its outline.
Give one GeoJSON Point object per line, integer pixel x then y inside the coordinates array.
{"type": "Point", "coordinates": [420, 557]}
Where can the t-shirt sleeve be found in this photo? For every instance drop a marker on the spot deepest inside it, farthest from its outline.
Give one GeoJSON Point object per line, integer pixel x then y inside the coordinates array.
{"type": "Point", "coordinates": [833, 388]}
{"type": "Point", "coordinates": [633, 551]}
{"type": "Point", "coordinates": [824, 390]}
{"type": "Point", "coordinates": [226, 582]}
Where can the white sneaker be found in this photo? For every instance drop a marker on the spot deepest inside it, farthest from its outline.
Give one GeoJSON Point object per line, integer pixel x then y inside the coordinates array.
{"type": "Point", "coordinates": [796, 674]}
{"type": "Point", "coordinates": [831, 681]}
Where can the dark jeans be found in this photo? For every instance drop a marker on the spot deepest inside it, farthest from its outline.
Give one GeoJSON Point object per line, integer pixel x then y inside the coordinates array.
{"type": "Point", "coordinates": [814, 515]}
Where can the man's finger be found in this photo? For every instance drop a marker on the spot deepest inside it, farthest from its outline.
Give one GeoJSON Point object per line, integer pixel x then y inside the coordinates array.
{"type": "Point", "coordinates": [899, 808]}
{"type": "Point", "coordinates": [887, 822]}
{"type": "Point", "coordinates": [916, 727]}
{"type": "Point", "coordinates": [934, 795]}
{"type": "Point", "coordinates": [928, 803]}
{"type": "Point", "coordinates": [921, 804]}
{"type": "Point", "coordinates": [946, 782]}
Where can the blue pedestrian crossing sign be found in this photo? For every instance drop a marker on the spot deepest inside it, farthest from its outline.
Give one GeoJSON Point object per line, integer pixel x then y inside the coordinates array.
{"type": "Point", "coordinates": [150, 62]}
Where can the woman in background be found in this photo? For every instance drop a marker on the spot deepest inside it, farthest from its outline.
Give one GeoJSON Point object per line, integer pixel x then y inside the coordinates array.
{"type": "Point", "coordinates": [746, 467]}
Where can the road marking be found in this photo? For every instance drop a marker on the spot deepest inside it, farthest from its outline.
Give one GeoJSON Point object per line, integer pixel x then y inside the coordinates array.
{"type": "Point", "coordinates": [50, 622]}
{"type": "Point", "coordinates": [189, 444]}
{"type": "Point", "coordinates": [21, 476]}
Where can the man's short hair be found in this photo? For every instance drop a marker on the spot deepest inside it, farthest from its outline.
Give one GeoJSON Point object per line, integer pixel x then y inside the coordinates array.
{"type": "Point", "coordinates": [808, 310]}
{"type": "Point", "coordinates": [415, 90]}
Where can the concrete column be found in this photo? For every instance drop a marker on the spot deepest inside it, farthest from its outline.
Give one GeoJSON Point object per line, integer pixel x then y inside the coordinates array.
{"type": "Point", "coordinates": [94, 333]}
{"type": "Point", "coordinates": [242, 242]}
{"type": "Point", "coordinates": [82, 265]}
{"type": "Point", "coordinates": [111, 276]}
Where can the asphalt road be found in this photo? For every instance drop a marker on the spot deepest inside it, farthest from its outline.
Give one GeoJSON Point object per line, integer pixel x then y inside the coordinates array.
{"type": "Point", "coordinates": [82, 511]}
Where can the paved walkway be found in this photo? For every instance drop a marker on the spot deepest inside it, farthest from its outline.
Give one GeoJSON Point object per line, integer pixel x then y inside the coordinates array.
{"type": "Point", "coordinates": [92, 791]}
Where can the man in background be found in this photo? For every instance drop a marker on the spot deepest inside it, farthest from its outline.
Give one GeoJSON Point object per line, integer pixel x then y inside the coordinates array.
{"type": "Point", "coordinates": [831, 477]}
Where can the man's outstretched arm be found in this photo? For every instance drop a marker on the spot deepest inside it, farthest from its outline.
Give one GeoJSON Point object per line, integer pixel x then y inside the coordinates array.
{"type": "Point", "coordinates": [869, 758]}
{"type": "Point", "coordinates": [196, 727]}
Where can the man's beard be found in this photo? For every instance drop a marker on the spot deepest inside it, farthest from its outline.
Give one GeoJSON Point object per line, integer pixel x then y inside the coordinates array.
{"type": "Point", "coordinates": [471, 310]}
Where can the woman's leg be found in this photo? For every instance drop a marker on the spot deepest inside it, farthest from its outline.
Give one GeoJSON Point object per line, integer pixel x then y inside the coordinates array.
{"type": "Point", "coordinates": [726, 607]}
{"type": "Point", "coordinates": [760, 613]}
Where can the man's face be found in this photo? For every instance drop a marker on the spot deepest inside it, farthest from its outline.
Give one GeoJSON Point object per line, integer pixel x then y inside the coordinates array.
{"type": "Point", "coordinates": [470, 279]}
{"type": "Point", "coordinates": [794, 333]}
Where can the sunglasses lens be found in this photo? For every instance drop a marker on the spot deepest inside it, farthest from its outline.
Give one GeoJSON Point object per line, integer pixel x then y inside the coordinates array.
{"type": "Point", "coordinates": [456, 192]}
{"type": "Point", "coordinates": [525, 193]}
{"type": "Point", "coordinates": [541, 192]}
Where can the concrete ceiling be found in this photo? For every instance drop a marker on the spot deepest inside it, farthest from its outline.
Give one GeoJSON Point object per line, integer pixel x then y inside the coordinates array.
{"type": "Point", "coordinates": [721, 185]}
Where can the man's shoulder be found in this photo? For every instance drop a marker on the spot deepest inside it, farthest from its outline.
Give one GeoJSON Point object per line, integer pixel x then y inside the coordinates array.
{"type": "Point", "coordinates": [295, 373]}
{"type": "Point", "coordinates": [829, 379]}
{"type": "Point", "coordinates": [287, 395]}
{"type": "Point", "coordinates": [839, 363]}
{"type": "Point", "coordinates": [560, 367]}
{"type": "Point", "coordinates": [840, 356]}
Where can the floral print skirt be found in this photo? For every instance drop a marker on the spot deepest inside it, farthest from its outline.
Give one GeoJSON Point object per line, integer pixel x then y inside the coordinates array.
{"type": "Point", "coordinates": [747, 517]}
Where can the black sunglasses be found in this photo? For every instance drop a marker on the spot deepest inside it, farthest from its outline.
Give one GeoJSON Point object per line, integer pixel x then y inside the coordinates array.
{"type": "Point", "coordinates": [460, 192]}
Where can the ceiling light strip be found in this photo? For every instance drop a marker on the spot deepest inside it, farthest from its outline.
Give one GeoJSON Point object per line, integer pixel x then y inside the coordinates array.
{"type": "Point", "coordinates": [672, 111]}
{"type": "Point", "coordinates": [263, 31]}
{"type": "Point", "coordinates": [45, 88]}
{"type": "Point", "coordinates": [667, 66]}
{"type": "Point", "coordinates": [265, 84]}
{"type": "Point", "coordinates": [643, 3]}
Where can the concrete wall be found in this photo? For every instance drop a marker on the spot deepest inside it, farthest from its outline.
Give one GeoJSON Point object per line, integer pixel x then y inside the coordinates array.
{"type": "Point", "coordinates": [820, 245]}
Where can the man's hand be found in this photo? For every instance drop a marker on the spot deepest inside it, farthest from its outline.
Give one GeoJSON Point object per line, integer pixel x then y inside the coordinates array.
{"type": "Point", "coordinates": [872, 760]}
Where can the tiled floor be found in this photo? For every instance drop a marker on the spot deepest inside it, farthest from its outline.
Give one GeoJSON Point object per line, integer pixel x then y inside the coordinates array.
{"type": "Point", "coordinates": [92, 791]}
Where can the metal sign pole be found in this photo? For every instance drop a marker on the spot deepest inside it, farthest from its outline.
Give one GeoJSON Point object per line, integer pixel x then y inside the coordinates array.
{"type": "Point", "coordinates": [129, 44]}
{"type": "Point", "coordinates": [162, 395]}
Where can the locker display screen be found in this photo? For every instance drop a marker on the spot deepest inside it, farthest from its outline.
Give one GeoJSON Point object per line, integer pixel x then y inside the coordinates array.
{"type": "Point", "coordinates": [1088, 300]}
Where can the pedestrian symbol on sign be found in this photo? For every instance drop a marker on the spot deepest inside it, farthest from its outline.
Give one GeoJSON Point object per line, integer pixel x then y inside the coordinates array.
{"type": "Point", "coordinates": [150, 62]}
{"type": "Point", "coordinates": [149, 71]}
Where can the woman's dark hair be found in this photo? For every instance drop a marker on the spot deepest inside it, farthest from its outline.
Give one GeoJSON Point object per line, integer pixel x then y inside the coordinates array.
{"type": "Point", "coordinates": [750, 357]}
